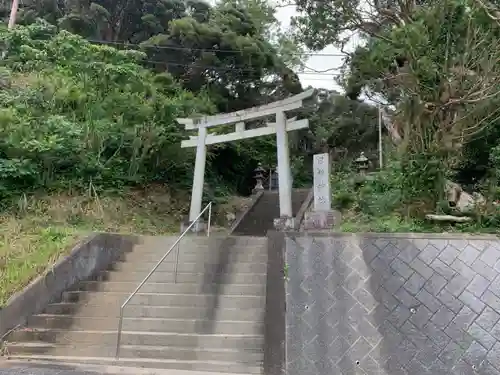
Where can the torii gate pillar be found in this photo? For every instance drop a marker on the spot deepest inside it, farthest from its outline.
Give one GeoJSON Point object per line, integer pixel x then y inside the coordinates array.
{"type": "Point", "coordinates": [281, 128]}
{"type": "Point", "coordinates": [199, 175]}
{"type": "Point", "coordinates": [284, 172]}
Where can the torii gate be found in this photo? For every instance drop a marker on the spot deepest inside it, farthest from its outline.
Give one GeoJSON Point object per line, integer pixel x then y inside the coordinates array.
{"type": "Point", "coordinates": [280, 128]}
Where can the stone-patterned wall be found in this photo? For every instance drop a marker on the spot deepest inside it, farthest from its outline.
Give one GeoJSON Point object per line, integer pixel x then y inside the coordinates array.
{"type": "Point", "coordinates": [392, 305]}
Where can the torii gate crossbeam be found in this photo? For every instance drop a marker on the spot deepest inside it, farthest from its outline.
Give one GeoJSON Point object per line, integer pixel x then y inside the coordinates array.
{"type": "Point", "coordinates": [281, 128]}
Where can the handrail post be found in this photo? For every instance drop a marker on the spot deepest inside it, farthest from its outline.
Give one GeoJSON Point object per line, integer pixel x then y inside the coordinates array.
{"type": "Point", "coordinates": [119, 336]}
{"type": "Point", "coordinates": [209, 218]}
{"type": "Point", "coordinates": [176, 262]}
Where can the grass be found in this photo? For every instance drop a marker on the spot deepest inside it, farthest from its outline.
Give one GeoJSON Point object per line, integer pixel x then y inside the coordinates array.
{"type": "Point", "coordinates": [389, 224]}
{"type": "Point", "coordinates": [41, 229]}
{"type": "Point", "coordinates": [373, 204]}
{"type": "Point", "coordinates": [358, 222]}
{"type": "Point", "coordinates": [25, 252]}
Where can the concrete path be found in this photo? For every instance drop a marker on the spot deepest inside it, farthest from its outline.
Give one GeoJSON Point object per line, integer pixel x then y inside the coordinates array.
{"type": "Point", "coordinates": [39, 369]}
{"type": "Point", "coordinates": [46, 368]}
{"type": "Point", "coordinates": [43, 371]}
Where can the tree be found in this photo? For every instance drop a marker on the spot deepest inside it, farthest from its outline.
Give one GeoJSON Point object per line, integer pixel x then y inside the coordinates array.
{"type": "Point", "coordinates": [322, 23]}
{"type": "Point", "coordinates": [235, 48]}
{"type": "Point", "coordinates": [340, 125]}
{"type": "Point", "coordinates": [73, 113]}
{"type": "Point", "coordinates": [435, 62]}
{"type": "Point", "coordinates": [233, 51]}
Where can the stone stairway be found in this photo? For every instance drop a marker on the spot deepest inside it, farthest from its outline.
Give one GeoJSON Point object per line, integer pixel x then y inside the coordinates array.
{"type": "Point", "coordinates": [211, 319]}
{"type": "Point", "coordinates": [261, 217]}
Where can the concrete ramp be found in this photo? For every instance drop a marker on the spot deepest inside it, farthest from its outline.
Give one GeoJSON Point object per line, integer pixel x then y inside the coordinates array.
{"type": "Point", "coordinates": [16, 367]}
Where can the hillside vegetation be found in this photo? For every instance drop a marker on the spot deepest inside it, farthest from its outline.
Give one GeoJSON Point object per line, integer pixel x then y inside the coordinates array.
{"type": "Point", "coordinates": [89, 142]}
{"type": "Point", "coordinates": [89, 94]}
{"type": "Point", "coordinates": [433, 66]}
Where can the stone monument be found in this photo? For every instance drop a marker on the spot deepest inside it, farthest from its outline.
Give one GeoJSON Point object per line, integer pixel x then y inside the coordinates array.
{"type": "Point", "coordinates": [321, 216]}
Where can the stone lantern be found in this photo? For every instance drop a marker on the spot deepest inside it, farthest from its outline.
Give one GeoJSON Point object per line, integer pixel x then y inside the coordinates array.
{"type": "Point", "coordinates": [362, 164]}
{"type": "Point", "coordinates": [259, 178]}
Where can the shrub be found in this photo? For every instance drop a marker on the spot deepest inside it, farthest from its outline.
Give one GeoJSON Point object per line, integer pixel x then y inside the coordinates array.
{"type": "Point", "coordinates": [74, 113]}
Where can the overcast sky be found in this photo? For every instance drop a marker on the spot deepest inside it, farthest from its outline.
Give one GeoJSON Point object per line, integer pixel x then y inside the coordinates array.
{"type": "Point", "coordinates": [319, 63]}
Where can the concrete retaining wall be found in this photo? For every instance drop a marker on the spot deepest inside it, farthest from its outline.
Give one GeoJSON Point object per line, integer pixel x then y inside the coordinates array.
{"type": "Point", "coordinates": [87, 258]}
{"type": "Point", "coordinates": [391, 304]}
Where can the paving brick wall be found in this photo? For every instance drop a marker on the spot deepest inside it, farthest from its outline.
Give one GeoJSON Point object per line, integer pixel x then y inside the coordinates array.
{"type": "Point", "coordinates": [392, 305]}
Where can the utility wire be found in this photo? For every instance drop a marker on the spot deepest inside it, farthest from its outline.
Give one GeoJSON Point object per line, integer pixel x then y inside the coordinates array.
{"type": "Point", "coordinates": [323, 71]}
{"type": "Point", "coordinates": [318, 75]}
{"type": "Point", "coordinates": [307, 79]}
{"type": "Point", "coordinates": [179, 48]}
{"type": "Point", "coordinates": [312, 71]}
{"type": "Point", "coordinates": [230, 68]}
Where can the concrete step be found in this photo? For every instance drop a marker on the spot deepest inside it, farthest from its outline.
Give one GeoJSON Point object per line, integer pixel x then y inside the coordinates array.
{"type": "Point", "coordinates": [183, 288]}
{"type": "Point", "coordinates": [202, 366]}
{"type": "Point", "coordinates": [205, 256]}
{"type": "Point", "coordinates": [236, 243]}
{"type": "Point", "coordinates": [210, 319]}
{"type": "Point", "coordinates": [188, 249]}
{"type": "Point", "coordinates": [252, 357]}
{"type": "Point", "coordinates": [108, 337]}
{"type": "Point", "coordinates": [140, 311]}
{"type": "Point", "coordinates": [146, 324]}
{"type": "Point", "coordinates": [163, 299]}
{"type": "Point", "coordinates": [191, 267]}
{"type": "Point", "coordinates": [184, 277]}
{"type": "Point", "coordinates": [215, 242]}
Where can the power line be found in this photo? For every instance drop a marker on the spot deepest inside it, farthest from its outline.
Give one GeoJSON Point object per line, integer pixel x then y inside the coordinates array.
{"type": "Point", "coordinates": [321, 74]}
{"type": "Point", "coordinates": [230, 68]}
{"type": "Point", "coordinates": [306, 80]}
{"type": "Point", "coordinates": [179, 48]}
{"type": "Point", "coordinates": [323, 71]}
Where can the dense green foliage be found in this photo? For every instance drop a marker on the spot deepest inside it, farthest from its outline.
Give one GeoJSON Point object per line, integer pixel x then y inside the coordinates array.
{"type": "Point", "coordinates": [341, 125]}
{"type": "Point", "coordinates": [99, 109]}
{"type": "Point", "coordinates": [226, 49]}
{"type": "Point", "coordinates": [186, 52]}
{"type": "Point", "coordinates": [73, 113]}
{"type": "Point", "coordinates": [436, 64]}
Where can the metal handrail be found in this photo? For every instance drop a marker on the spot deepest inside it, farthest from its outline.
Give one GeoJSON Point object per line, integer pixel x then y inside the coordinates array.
{"type": "Point", "coordinates": [176, 243]}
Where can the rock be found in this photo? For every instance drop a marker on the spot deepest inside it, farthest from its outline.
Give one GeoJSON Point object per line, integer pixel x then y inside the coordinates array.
{"type": "Point", "coordinates": [230, 217]}
{"type": "Point", "coordinates": [479, 199]}
{"type": "Point", "coordinates": [453, 192]}
{"type": "Point", "coordinates": [463, 201]}
{"type": "Point", "coordinates": [466, 202]}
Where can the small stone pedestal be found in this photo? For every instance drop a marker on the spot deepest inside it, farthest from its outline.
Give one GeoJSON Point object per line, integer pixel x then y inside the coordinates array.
{"type": "Point", "coordinates": [321, 220]}
{"type": "Point", "coordinates": [199, 227]}
{"type": "Point", "coordinates": [256, 191]}
{"type": "Point", "coordinates": [284, 224]}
